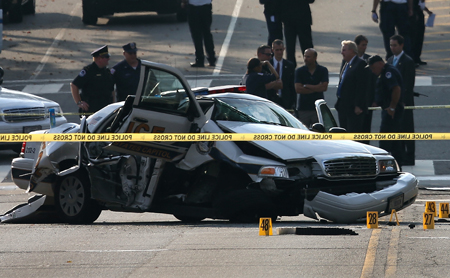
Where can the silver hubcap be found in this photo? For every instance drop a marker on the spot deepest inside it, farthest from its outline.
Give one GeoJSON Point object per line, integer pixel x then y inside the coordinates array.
{"type": "Point", "coordinates": [71, 196]}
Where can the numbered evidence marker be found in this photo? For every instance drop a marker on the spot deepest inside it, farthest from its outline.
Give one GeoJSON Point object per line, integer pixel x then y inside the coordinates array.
{"type": "Point", "coordinates": [443, 210]}
{"type": "Point", "coordinates": [265, 226]}
{"type": "Point", "coordinates": [428, 220]}
{"type": "Point", "coordinates": [431, 207]}
{"type": "Point", "coordinates": [372, 219]}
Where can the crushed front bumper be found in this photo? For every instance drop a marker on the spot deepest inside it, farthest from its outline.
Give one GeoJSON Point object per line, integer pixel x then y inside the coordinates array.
{"type": "Point", "coordinates": [351, 207]}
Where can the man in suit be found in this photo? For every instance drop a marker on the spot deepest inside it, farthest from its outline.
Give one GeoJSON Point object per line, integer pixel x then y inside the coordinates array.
{"type": "Point", "coordinates": [273, 20]}
{"type": "Point", "coordinates": [351, 94]}
{"type": "Point", "coordinates": [285, 96]}
{"type": "Point", "coordinates": [406, 67]}
{"type": "Point", "coordinates": [297, 20]}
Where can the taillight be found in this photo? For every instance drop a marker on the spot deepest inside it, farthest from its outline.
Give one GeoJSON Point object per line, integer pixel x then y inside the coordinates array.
{"type": "Point", "coordinates": [24, 145]}
{"type": "Point", "coordinates": [227, 89]}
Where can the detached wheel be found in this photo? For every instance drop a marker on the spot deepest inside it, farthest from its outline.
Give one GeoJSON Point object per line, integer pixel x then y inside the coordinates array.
{"type": "Point", "coordinates": [89, 15]}
{"type": "Point", "coordinates": [73, 200]}
{"type": "Point", "coordinates": [29, 7]}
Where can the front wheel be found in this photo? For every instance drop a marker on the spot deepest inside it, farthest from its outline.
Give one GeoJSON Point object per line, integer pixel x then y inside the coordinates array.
{"type": "Point", "coordinates": [73, 200]}
{"type": "Point", "coordinates": [89, 17]}
{"type": "Point", "coordinates": [188, 219]}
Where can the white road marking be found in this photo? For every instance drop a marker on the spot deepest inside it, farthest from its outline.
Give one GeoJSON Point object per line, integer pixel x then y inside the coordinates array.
{"type": "Point", "coordinates": [117, 251]}
{"type": "Point", "coordinates": [55, 42]}
{"type": "Point", "coordinates": [226, 42]}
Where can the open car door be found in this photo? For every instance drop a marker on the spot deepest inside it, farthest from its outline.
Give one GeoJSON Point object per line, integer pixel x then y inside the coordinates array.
{"type": "Point", "coordinates": [164, 103]}
{"type": "Point", "coordinates": [325, 115]}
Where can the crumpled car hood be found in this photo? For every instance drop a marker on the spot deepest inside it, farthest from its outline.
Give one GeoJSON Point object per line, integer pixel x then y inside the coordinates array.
{"type": "Point", "coordinates": [294, 150]}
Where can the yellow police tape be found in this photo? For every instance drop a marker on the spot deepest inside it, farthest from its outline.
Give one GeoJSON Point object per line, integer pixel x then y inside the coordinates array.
{"type": "Point", "coordinates": [194, 137]}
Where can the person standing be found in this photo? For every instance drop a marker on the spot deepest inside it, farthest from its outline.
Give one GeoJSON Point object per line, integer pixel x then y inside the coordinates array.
{"type": "Point", "coordinates": [394, 13]}
{"type": "Point", "coordinates": [406, 67]}
{"type": "Point", "coordinates": [311, 80]}
{"type": "Point", "coordinates": [273, 20]}
{"type": "Point", "coordinates": [285, 96]}
{"type": "Point", "coordinates": [95, 82]}
{"type": "Point", "coordinates": [418, 30]}
{"type": "Point", "coordinates": [257, 82]}
{"type": "Point", "coordinates": [200, 19]}
{"type": "Point", "coordinates": [264, 54]}
{"type": "Point", "coordinates": [351, 93]}
{"type": "Point", "coordinates": [126, 73]}
{"type": "Point", "coordinates": [297, 20]}
{"type": "Point", "coordinates": [388, 95]}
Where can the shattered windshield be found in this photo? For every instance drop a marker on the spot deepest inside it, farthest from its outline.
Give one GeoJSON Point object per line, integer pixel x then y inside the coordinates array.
{"type": "Point", "coordinates": [243, 110]}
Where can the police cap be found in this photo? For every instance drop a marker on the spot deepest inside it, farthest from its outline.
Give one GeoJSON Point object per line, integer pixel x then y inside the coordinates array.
{"type": "Point", "coordinates": [130, 47]}
{"type": "Point", "coordinates": [101, 52]}
{"type": "Point", "coordinates": [373, 59]}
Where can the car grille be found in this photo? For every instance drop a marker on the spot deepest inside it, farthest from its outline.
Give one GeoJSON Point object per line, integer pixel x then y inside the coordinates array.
{"type": "Point", "coordinates": [24, 114]}
{"type": "Point", "coordinates": [351, 167]}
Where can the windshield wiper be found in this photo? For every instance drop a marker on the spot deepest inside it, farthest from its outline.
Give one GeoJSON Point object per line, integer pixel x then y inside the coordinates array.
{"type": "Point", "coordinates": [270, 123]}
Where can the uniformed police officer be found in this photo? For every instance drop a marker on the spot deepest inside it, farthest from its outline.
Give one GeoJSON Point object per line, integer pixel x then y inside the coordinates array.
{"type": "Point", "coordinates": [127, 72]}
{"type": "Point", "coordinates": [96, 83]}
{"type": "Point", "coordinates": [388, 95]}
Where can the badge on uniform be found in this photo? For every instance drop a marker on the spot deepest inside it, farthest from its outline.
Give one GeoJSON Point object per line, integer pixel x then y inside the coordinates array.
{"type": "Point", "coordinates": [112, 70]}
{"type": "Point", "coordinates": [82, 73]}
{"type": "Point", "coordinates": [388, 75]}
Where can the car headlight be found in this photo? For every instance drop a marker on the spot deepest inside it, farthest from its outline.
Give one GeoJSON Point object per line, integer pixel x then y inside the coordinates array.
{"type": "Point", "coordinates": [58, 110]}
{"type": "Point", "coordinates": [388, 166]}
{"type": "Point", "coordinates": [273, 172]}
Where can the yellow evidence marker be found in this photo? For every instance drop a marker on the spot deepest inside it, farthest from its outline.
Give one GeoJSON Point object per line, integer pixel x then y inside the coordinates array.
{"type": "Point", "coordinates": [431, 207]}
{"type": "Point", "coordinates": [428, 220]}
{"type": "Point", "coordinates": [372, 219]}
{"type": "Point", "coordinates": [443, 210]}
{"type": "Point", "coordinates": [265, 226]}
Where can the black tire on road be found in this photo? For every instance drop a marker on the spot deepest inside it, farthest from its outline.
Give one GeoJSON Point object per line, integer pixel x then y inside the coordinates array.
{"type": "Point", "coordinates": [15, 13]}
{"type": "Point", "coordinates": [73, 200]}
{"type": "Point", "coordinates": [246, 206]}
{"type": "Point", "coordinates": [188, 219]}
{"type": "Point", "coordinates": [29, 7]}
{"type": "Point", "coordinates": [89, 17]}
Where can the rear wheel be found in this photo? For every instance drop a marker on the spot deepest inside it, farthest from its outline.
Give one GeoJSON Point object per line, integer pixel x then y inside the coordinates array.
{"type": "Point", "coordinates": [188, 219]}
{"type": "Point", "coordinates": [89, 16]}
{"type": "Point", "coordinates": [73, 200]}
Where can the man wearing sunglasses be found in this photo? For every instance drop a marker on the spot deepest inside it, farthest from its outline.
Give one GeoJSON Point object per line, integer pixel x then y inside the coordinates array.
{"type": "Point", "coordinates": [96, 83]}
{"type": "Point", "coordinates": [127, 72]}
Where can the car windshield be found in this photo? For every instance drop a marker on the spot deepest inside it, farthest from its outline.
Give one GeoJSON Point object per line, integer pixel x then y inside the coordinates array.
{"type": "Point", "coordinates": [251, 111]}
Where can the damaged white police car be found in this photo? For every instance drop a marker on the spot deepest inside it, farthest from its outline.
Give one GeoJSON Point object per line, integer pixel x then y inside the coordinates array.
{"type": "Point", "coordinates": [240, 181]}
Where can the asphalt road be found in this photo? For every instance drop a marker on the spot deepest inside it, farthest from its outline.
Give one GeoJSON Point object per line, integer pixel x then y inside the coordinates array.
{"type": "Point", "coordinates": [51, 47]}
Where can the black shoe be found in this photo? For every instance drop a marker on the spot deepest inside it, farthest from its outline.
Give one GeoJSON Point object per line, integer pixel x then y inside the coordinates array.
{"type": "Point", "coordinates": [197, 65]}
{"type": "Point", "coordinates": [212, 62]}
{"type": "Point", "coordinates": [417, 65]}
{"type": "Point", "coordinates": [422, 63]}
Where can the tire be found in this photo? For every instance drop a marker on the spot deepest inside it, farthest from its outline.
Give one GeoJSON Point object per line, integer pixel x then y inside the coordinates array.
{"type": "Point", "coordinates": [188, 219]}
{"type": "Point", "coordinates": [73, 200]}
{"type": "Point", "coordinates": [15, 13]}
{"type": "Point", "coordinates": [29, 7]}
{"type": "Point", "coordinates": [89, 16]}
{"type": "Point", "coordinates": [246, 206]}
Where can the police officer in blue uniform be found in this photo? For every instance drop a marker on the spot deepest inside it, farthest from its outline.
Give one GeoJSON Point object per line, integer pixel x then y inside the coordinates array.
{"type": "Point", "coordinates": [388, 94]}
{"type": "Point", "coordinates": [127, 72]}
{"type": "Point", "coordinates": [95, 82]}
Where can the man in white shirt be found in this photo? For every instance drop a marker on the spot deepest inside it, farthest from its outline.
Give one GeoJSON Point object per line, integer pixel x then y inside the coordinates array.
{"type": "Point", "coordinates": [200, 19]}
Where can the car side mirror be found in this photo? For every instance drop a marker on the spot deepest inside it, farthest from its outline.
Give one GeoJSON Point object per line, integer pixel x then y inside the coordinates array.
{"type": "Point", "coordinates": [318, 127]}
{"type": "Point", "coordinates": [337, 130]}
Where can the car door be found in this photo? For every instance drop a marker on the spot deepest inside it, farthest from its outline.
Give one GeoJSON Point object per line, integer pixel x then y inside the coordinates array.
{"type": "Point", "coordinates": [164, 103]}
{"type": "Point", "coordinates": [325, 115]}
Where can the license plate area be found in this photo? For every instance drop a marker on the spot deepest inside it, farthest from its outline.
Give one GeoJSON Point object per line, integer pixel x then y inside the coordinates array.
{"type": "Point", "coordinates": [395, 202]}
{"type": "Point", "coordinates": [28, 129]}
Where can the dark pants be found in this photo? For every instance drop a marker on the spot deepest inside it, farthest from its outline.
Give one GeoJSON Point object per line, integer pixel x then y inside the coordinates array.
{"type": "Point", "coordinates": [395, 15]}
{"type": "Point", "coordinates": [348, 119]}
{"type": "Point", "coordinates": [389, 125]}
{"type": "Point", "coordinates": [417, 35]}
{"type": "Point", "coordinates": [367, 125]}
{"type": "Point", "coordinates": [200, 19]}
{"type": "Point", "coordinates": [408, 146]}
{"type": "Point", "coordinates": [275, 29]}
{"type": "Point", "coordinates": [292, 29]}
